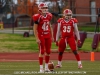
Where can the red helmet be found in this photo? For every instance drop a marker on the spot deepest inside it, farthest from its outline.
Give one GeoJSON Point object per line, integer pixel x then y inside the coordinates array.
{"type": "Point", "coordinates": [67, 14]}
{"type": "Point", "coordinates": [43, 8]}
{"type": "Point", "coordinates": [67, 11]}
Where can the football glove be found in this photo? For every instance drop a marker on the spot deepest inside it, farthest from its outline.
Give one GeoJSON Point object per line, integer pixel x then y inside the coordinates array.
{"type": "Point", "coordinates": [79, 42]}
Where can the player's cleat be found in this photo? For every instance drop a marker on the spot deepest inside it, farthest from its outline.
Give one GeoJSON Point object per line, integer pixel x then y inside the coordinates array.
{"type": "Point", "coordinates": [58, 66]}
{"type": "Point", "coordinates": [41, 71]}
{"type": "Point", "coordinates": [47, 70]}
{"type": "Point", "coordinates": [79, 66]}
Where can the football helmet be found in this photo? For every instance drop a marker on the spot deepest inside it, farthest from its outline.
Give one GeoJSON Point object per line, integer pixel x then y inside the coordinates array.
{"type": "Point", "coordinates": [67, 13]}
{"type": "Point", "coordinates": [43, 8]}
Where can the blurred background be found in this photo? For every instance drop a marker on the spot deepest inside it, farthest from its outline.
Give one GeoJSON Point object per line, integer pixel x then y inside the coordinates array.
{"type": "Point", "coordinates": [16, 18]}
{"type": "Point", "coordinates": [18, 13]}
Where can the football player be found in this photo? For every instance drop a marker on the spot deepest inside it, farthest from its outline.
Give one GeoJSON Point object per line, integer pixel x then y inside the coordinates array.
{"type": "Point", "coordinates": [43, 33]}
{"type": "Point", "coordinates": [67, 26]}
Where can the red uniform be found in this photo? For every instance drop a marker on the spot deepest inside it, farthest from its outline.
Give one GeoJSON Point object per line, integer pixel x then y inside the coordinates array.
{"type": "Point", "coordinates": [67, 34]}
{"type": "Point", "coordinates": [67, 26]}
{"type": "Point", "coordinates": [44, 32]}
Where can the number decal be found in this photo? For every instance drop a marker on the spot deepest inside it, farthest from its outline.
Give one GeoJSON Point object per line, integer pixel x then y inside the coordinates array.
{"type": "Point", "coordinates": [67, 29]}
{"type": "Point", "coordinates": [45, 26]}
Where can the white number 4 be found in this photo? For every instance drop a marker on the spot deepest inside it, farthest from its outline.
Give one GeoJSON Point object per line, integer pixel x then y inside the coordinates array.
{"type": "Point", "coordinates": [45, 26]}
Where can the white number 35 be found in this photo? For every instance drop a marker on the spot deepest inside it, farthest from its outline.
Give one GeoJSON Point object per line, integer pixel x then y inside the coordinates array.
{"type": "Point", "coordinates": [67, 29]}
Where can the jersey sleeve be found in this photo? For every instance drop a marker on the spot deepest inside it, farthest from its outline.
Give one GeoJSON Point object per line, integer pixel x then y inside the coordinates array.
{"type": "Point", "coordinates": [59, 20]}
{"type": "Point", "coordinates": [50, 16]}
{"type": "Point", "coordinates": [35, 18]}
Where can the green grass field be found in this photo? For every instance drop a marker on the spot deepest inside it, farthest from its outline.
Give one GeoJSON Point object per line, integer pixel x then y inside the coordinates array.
{"type": "Point", "coordinates": [32, 68]}
{"type": "Point", "coordinates": [18, 43]}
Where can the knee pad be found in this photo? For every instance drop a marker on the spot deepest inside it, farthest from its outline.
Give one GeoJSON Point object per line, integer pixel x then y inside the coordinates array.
{"type": "Point", "coordinates": [48, 52]}
{"type": "Point", "coordinates": [42, 52]}
{"type": "Point", "coordinates": [60, 53]}
{"type": "Point", "coordinates": [75, 52]}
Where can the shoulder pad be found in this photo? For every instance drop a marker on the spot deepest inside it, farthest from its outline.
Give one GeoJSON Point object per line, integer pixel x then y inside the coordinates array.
{"type": "Point", "coordinates": [50, 16]}
{"type": "Point", "coordinates": [75, 20]}
{"type": "Point", "coordinates": [60, 19]}
{"type": "Point", "coordinates": [36, 17]}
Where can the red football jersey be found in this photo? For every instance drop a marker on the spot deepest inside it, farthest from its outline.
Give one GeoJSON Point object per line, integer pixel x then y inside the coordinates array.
{"type": "Point", "coordinates": [67, 27]}
{"type": "Point", "coordinates": [43, 24]}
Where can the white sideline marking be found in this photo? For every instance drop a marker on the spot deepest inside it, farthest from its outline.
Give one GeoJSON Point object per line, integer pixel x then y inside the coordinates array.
{"type": "Point", "coordinates": [15, 60]}
{"type": "Point", "coordinates": [15, 69]}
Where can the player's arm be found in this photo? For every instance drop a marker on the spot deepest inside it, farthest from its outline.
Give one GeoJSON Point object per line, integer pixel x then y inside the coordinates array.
{"type": "Point", "coordinates": [77, 34]}
{"type": "Point", "coordinates": [51, 32]}
{"type": "Point", "coordinates": [76, 31]}
{"type": "Point", "coordinates": [35, 26]}
{"type": "Point", "coordinates": [36, 32]}
{"type": "Point", "coordinates": [58, 33]}
{"type": "Point", "coordinates": [50, 17]}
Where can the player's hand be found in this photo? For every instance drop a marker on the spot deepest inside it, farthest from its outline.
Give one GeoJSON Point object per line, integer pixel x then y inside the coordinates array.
{"type": "Point", "coordinates": [56, 43]}
{"type": "Point", "coordinates": [38, 41]}
{"type": "Point", "coordinates": [52, 39]}
{"type": "Point", "coordinates": [79, 42]}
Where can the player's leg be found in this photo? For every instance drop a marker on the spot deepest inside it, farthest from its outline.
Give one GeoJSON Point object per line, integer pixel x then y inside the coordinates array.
{"type": "Point", "coordinates": [73, 46]}
{"type": "Point", "coordinates": [61, 48]}
{"type": "Point", "coordinates": [41, 53]}
{"type": "Point", "coordinates": [48, 51]}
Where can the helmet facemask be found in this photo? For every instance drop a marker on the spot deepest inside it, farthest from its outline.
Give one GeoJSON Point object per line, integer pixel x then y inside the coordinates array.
{"type": "Point", "coordinates": [44, 9]}
{"type": "Point", "coordinates": [67, 16]}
